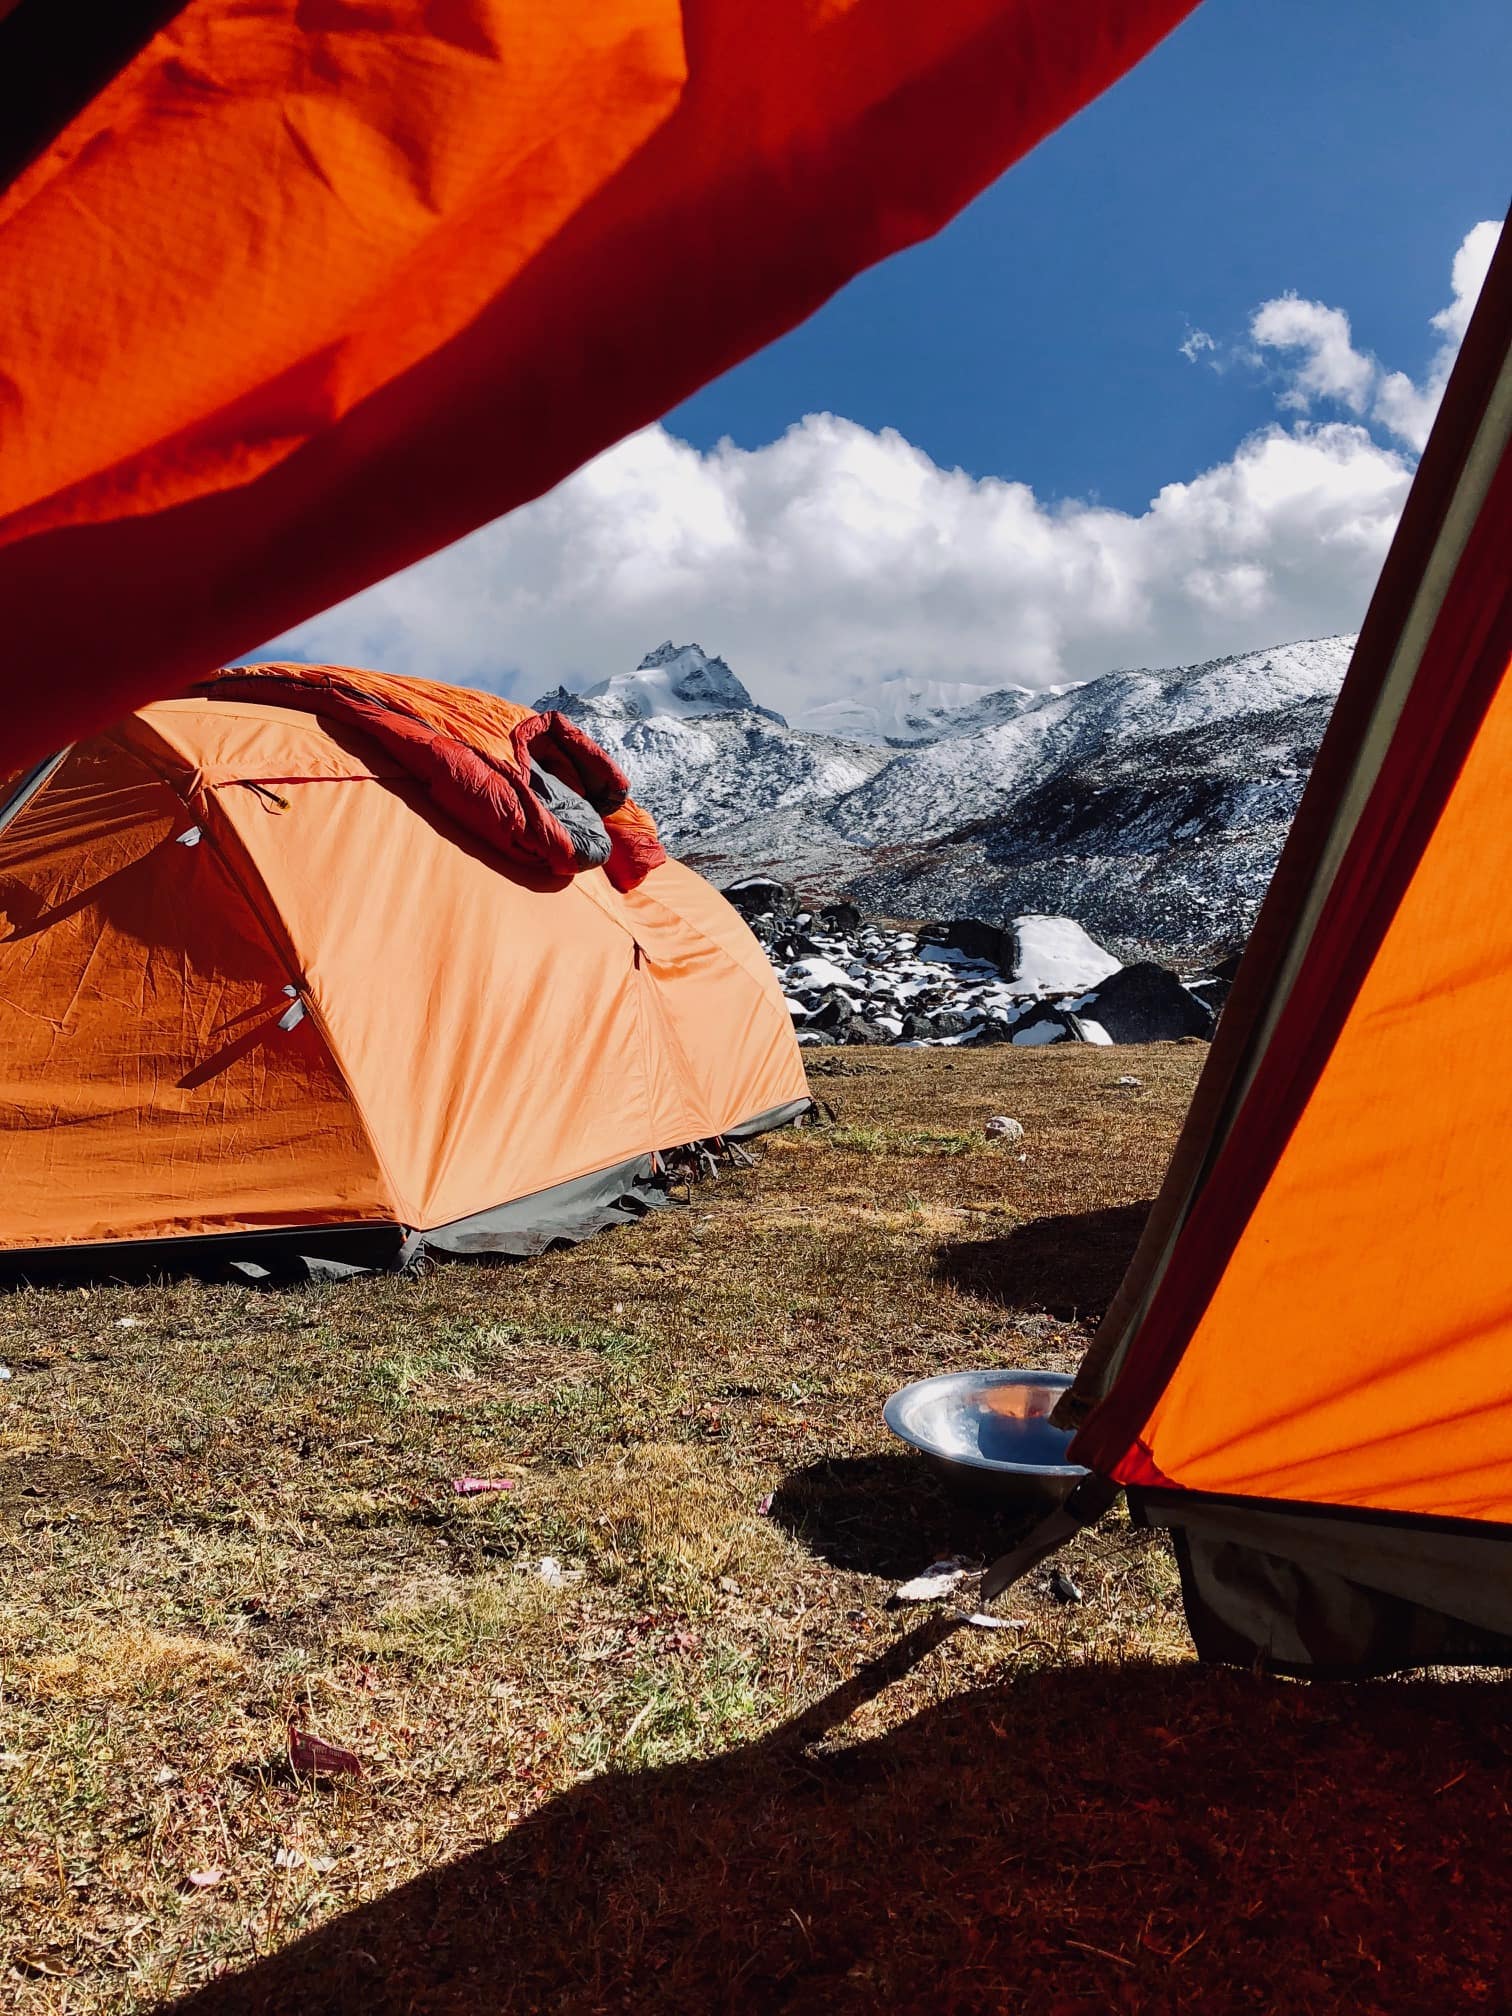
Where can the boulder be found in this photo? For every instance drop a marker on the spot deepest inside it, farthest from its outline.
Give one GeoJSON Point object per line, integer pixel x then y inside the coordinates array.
{"type": "Point", "coordinates": [1146, 1003]}
{"type": "Point", "coordinates": [1042, 1024]}
{"type": "Point", "coordinates": [996, 1029]}
{"type": "Point", "coordinates": [834, 1012]}
{"type": "Point", "coordinates": [859, 1030]}
{"type": "Point", "coordinates": [840, 917]}
{"type": "Point", "coordinates": [979, 940]}
{"type": "Point", "coordinates": [817, 971]}
{"type": "Point", "coordinates": [1212, 993]}
{"type": "Point", "coordinates": [754, 894]}
{"type": "Point", "coordinates": [1215, 986]}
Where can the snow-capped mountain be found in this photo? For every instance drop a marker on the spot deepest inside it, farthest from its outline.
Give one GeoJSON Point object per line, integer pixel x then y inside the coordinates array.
{"type": "Point", "coordinates": [903, 713]}
{"type": "Point", "coordinates": [1150, 805]}
{"type": "Point", "coordinates": [677, 681]}
{"type": "Point", "coordinates": [701, 753]}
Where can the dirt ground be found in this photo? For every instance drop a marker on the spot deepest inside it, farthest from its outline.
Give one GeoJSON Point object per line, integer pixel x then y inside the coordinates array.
{"type": "Point", "coordinates": [695, 1763]}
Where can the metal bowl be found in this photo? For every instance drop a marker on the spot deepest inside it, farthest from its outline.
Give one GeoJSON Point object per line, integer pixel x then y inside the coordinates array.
{"type": "Point", "coordinates": [988, 1434]}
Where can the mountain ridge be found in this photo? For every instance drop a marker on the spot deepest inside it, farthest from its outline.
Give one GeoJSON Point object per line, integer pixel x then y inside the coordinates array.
{"type": "Point", "coordinates": [1150, 804]}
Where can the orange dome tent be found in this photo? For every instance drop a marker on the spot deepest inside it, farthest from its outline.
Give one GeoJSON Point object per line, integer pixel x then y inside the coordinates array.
{"type": "Point", "coordinates": [318, 968]}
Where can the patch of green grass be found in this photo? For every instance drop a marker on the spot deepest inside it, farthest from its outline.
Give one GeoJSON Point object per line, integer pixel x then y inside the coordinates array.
{"type": "Point", "coordinates": [908, 1142]}
{"type": "Point", "coordinates": [688, 1704]}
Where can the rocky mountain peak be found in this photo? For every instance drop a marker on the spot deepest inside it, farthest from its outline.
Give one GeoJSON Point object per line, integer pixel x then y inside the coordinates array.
{"type": "Point", "coordinates": [675, 681]}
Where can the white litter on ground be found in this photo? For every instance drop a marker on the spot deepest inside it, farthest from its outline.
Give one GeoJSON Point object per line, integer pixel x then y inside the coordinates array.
{"type": "Point", "coordinates": [940, 1580]}
{"type": "Point", "coordinates": [550, 1571]}
{"type": "Point", "coordinates": [937, 1581]}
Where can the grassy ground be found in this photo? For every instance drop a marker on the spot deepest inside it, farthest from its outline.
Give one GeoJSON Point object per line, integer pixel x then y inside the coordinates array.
{"type": "Point", "coordinates": [706, 1769]}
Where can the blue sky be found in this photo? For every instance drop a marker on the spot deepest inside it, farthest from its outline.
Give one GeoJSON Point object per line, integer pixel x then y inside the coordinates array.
{"type": "Point", "coordinates": [990, 460]}
{"type": "Point", "coordinates": [1329, 147]}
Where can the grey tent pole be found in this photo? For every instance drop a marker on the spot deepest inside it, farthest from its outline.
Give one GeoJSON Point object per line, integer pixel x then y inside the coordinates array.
{"type": "Point", "coordinates": [1082, 1506]}
{"type": "Point", "coordinates": [29, 786]}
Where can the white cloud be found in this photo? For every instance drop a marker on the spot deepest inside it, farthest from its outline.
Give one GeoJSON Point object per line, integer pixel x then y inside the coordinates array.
{"type": "Point", "coordinates": [836, 556]}
{"type": "Point", "coordinates": [1195, 343]}
{"type": "Point", "coordinates": [1472, 263]}
{"type": "Point", "coordinates": [1322, 363]}
{"type": "Point", "coordinates": [1327, 365]}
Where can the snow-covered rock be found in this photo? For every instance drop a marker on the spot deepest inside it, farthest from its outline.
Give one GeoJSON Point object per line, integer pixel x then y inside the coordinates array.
{"type": "Point", "coordinates": [1091, 1032]}
{"type": "Point", "coordinates": [1042, 1029]}
{"type": "Point", "coordinates": [756, 894]}
{"type": "Point", "coordinates": [873, 983]}
{"type": "Point", "coordinates": [1054, 955]}
{"type": "Point", "coordinates": [818, 973]}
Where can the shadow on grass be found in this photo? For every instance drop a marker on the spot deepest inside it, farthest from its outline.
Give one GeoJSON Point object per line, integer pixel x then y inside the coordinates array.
{"type": "Point", "coordinates": [1069, 1267]}
{"type": "Point", "coordinates": [887, 1515]}
{"type": "Point", "coordinates": [1069, 1841]}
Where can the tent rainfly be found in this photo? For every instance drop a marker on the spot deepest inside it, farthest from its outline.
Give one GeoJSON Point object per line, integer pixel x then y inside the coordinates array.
{"type": "Point", "coordinates": [317, 970]}
{"type": "Point", "coordinates": [293, 292]}
{"type": "Point", "coordinates": [1307, 1373]}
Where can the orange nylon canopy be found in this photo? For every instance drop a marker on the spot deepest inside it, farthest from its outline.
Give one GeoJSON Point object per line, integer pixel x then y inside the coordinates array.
{"type": "Point", "coordinates": [309, 289]}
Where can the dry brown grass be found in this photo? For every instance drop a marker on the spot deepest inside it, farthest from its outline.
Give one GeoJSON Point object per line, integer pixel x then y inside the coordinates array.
{"type": "Point", "coordinates": [711, 1771]}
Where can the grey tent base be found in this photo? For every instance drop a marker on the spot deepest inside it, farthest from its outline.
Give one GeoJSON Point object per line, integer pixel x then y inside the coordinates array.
{"type": "Point", "coordinates": [573, 1211]}
{"type": "Point", "coordinates": [1321, 1592]}
{"type": "Point", "coordinates": [561, 1216]}
{"type": "Point", "coordinates": [778, 1116]}
{"type": "Point", "coordinates": [1336, 1594]}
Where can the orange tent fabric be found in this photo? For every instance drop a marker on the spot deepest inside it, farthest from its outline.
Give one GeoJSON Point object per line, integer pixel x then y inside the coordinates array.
{"type": "Point", "coordinates": [1334, 1323]}
{"type": "Point", "coordinates": [308, 289]}
{"type": "Point", "coordinates": [254, 982]}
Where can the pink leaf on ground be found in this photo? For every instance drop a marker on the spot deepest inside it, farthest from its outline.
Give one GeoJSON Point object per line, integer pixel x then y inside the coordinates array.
{"type": "Point", "coordinates": [469, 1487]}
{"type": "Point", "coordinates": [313, 1753]}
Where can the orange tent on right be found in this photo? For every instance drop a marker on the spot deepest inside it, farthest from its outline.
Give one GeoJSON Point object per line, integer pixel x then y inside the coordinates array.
{"type": "Point", "coordinates": [1307, 1374]}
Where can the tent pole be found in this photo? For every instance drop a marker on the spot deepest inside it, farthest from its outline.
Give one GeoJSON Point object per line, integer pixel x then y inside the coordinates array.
{"type": "Point", "coordinates": [1083, 1506]}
